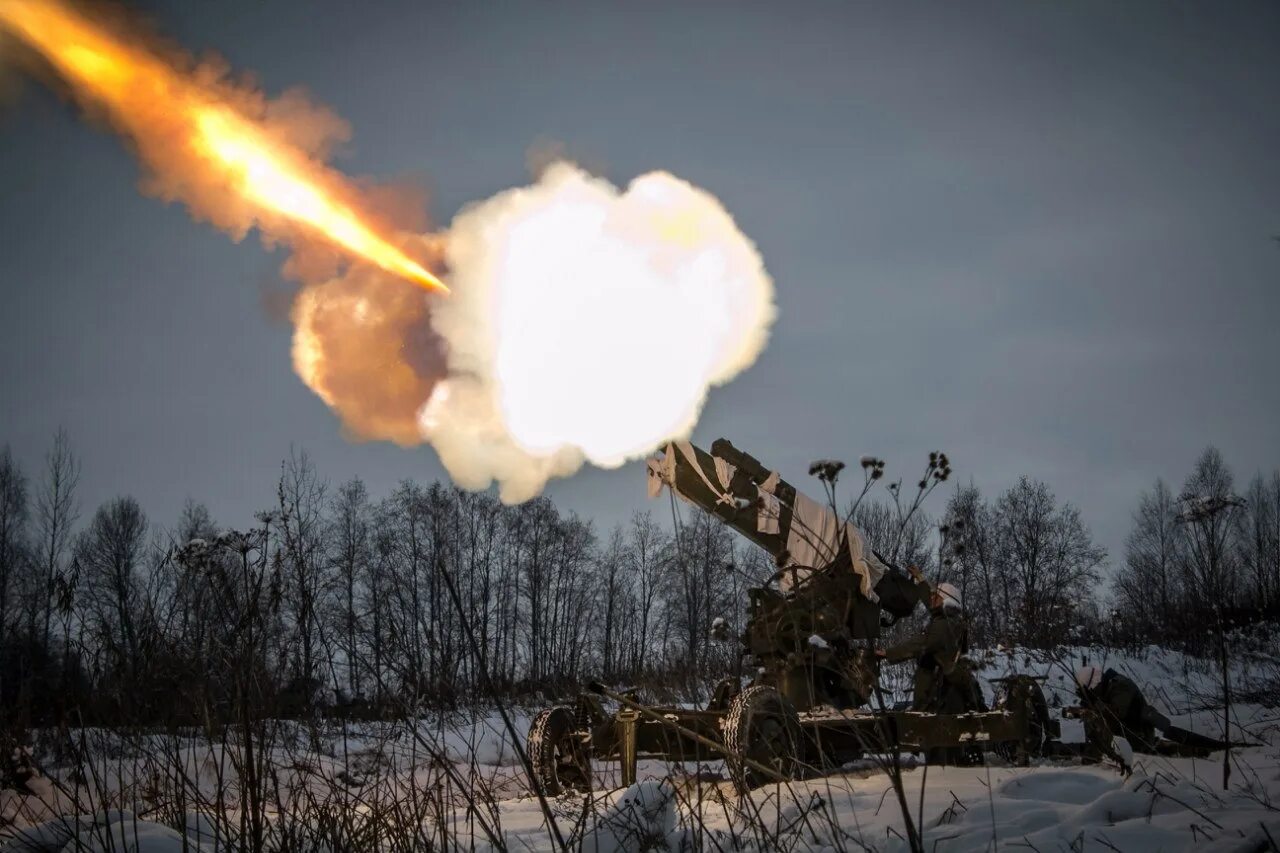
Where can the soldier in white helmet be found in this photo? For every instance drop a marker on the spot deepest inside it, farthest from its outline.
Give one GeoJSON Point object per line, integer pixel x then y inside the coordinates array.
{"type": "Point", "coordinates": [943, 682]}
{"type": "Point", "coordinates": [1114, 706]}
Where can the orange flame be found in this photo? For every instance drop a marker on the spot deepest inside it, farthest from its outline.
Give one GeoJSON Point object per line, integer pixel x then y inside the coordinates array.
{"type": "Point", "coordinates": [241, 154]}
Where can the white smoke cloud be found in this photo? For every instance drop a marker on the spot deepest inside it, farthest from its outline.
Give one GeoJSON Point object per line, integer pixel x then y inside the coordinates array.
{"type": "Point", "coordinates": [587, 324]}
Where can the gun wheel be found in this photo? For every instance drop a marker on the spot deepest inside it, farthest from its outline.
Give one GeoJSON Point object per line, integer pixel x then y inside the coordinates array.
{"type": "Point", "coordinates": [560, 759]}
{"type": "Point", "coordinates": [762, 726]}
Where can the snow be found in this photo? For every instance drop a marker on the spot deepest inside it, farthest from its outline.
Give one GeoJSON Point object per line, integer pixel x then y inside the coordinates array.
{"type": "Point", "coordinates": [114, 831]}
{"type": "Point", "coordinates": [641, 818]}
{"type": "Point", "coordinates": [1168, 804]}
{"type": "Point", "coordinates": [1123, 749]}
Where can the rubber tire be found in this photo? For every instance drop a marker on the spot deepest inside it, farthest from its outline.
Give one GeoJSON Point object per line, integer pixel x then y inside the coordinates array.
{"type": "Point", "coordinates": [761, 725]}
{"type": "Point", "coordinates": [560, 761]}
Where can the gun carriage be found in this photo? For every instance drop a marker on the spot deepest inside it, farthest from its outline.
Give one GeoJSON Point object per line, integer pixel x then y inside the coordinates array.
{"type": "Point", "coordinates": [810, 641]}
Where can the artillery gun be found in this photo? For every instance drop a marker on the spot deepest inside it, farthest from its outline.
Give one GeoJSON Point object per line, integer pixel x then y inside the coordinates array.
{"type": "Point", "coordinates": [810, 636]}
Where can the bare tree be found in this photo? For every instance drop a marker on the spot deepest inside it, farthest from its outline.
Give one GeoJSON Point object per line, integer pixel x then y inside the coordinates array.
{"type": "Point", "coordinates": [1209, 510]}
{"type": "Point", "coordinates": [480, 532]}
{"type": "Point", "coordinates": [1204, 558]}
{"type": "Point", "coordinates": [1212, 565]}
{"type": "Point", "coordinates": [13, 532]}
{"type": "Point", "coordinates": [973, 529]}
{"type": "Point", "coordinates": [109, 554]}
{"type": "Point", "coordinates": [350, 543]}
{"type": "Point", "coordinates": [534, 531]}
{"type": "Point", "coordinates": [697, 592]}
{"type": "Point", "coordinates": [1260, 542]}
{"type": "Point", "coordinates": [408, 565]}
{"type": "Point", "coordinates": [194, 592]}
{"type": "Point", "coordinates": [1148, 585]}
{"type": "Point", "coordinates": [300, 496]}
{"type": "Point", "coordinates": [377, 627]}
{"type": "Point", "coordinates": [56, 514]}
{"type": "Point", "coordinates": [649, 552]}
{"type": "Point", "coordinates": [614, 591]}
{"type": "Point", "coordinates": [885, 528]}
{"type": "Point", "coordinates": [1049, 557]}
{"type": "Point", "coordinates": [444, 651]}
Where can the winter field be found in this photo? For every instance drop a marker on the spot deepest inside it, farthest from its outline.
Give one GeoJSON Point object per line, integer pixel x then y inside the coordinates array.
{"type": "Point", "coordinates": [455, 783]}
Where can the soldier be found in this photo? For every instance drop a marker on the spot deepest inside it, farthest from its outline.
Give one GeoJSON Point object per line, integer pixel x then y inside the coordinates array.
{"type": "Point", "coordinates": [1114, 706]}
{"type": "Point", "coordinates": [944, 682]}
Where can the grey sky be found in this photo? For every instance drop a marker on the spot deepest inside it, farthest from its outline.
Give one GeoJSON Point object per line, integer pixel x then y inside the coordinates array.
{"type": "Point", "coordinates": [1037, 236]}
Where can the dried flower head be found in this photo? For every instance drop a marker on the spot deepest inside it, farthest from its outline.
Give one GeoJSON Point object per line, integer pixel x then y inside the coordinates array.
{"type": "Point", "coordinates": [827, 470]}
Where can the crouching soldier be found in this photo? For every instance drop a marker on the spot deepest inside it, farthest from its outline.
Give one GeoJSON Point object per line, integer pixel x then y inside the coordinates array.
{"type": "Point", "coordinates": [944, 681]}
{"type": "Point", "coordinates": [1114, 706]}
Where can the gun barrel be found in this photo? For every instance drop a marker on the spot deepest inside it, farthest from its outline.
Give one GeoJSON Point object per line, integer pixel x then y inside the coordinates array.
{"type": "Point", "coordinates": [743, 461]}
{"type": "Point", "coordinates": [729, 487]}
{"type": "Point", "coordinates": [796, 530]}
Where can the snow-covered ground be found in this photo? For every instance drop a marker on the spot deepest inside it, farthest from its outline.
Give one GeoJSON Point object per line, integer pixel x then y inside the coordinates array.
{"type": "Point", "coordinates": [157, 793]}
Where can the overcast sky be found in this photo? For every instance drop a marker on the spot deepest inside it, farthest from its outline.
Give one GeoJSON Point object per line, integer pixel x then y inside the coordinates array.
{"type": "Point", "coordinates": [1039, 236]}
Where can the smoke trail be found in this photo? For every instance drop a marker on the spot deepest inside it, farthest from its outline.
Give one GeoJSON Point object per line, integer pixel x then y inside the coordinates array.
{"type": "Point", "coordinates": [363, 344]}
{"type": "Point", "coordinates": [230, 155]}
{"type": "Point", "coordinates": [241, 161]}
{"type": "Point", "coordinates": [588, 323]}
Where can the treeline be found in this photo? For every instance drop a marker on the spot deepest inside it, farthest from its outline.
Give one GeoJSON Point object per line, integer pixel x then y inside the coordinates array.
{"type": "Point", "coordinates": [1199, 561]}
{"type": "Point", "coordinates": [339, 601]}
{"type": "Point", "coordinates": [1027, 565]}
{"type": "Point", "coordinates": [1202, 559]}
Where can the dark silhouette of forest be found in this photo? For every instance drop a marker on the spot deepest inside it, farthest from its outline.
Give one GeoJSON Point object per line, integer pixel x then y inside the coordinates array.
{"type": "Point", "coordinates": [338, 602]}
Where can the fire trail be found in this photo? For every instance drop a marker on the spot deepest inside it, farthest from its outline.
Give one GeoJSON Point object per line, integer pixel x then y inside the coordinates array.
{"type": "Point", "coordinates": [588, 321]}
{"type": "Point", "coordinates": [195, 132]}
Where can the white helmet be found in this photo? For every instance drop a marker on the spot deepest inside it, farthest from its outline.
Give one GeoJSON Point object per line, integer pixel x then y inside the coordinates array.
{"type": "Point", "coordinates": [950, 596]}
{"type": "Point", "coordinates": [1088, 677]}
